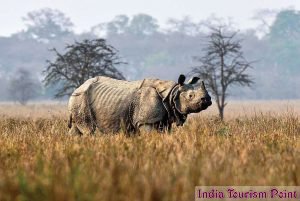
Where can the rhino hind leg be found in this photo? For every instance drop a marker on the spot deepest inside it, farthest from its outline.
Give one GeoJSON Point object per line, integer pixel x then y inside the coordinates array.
{"type": "Point", "coordinates": [86, 130]}
{"type": "Point", "coordinates": [74, 130]}
{"type": "Point", "coordinates": [82, 128]}
{"type": "Point", "coordinates": [81, 121]}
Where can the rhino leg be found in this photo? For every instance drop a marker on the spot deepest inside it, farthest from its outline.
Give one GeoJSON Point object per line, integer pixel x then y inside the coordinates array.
{"type": "Point", "coordinates": [85, 128]}
{"type": "Point", "coordinates": [165, 128]}
{"type": "Point", "coordinates": [149, 111]}
{"type": "Point", "coordinates": [73, 128]}
{"type": "Point", "coordinates": [81, 117]}
{"type": "Point", "coordinates": [74, 131]}
{"type": "Point", "coordinates": [146, 128]}
{"type": "Point", "coordinates": [79, 127]}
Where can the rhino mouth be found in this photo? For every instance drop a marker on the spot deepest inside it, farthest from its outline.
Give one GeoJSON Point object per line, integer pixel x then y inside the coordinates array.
{"type": "Point", "coordinates": [204, 104]}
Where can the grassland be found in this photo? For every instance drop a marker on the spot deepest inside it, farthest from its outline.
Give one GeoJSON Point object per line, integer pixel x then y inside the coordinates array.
{"type": "Point", "coordinates": [258, 144]}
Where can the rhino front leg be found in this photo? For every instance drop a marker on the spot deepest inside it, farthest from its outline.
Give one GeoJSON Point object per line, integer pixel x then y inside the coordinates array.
{"type": "Point", "coordinates": [149, 111]}
{"type": "Point", "coordinates": [146, 128]}
{"type": "Point", "coordinates": [166, 128]}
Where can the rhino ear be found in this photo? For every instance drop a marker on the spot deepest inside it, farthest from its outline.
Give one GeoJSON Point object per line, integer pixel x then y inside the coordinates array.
{"type": "Point", "coordinates": [181, 79]}
{"type": "Point", "coordinates": [193, 80]}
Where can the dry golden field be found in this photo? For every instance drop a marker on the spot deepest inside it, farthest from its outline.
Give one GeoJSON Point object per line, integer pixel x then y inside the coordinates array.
{"type": "Point", "coordinates": [258, 144]}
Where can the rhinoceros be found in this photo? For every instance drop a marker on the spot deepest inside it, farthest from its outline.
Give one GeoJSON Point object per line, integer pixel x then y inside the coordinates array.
{"type": "Point", "coordinates": [151, 104]}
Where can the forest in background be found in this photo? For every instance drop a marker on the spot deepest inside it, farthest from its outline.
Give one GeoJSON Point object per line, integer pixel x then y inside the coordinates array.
{"type": "Point", "coordinates": [153, 50]}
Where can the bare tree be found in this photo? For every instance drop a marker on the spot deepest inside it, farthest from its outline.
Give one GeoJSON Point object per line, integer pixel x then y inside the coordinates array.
{"type": "Point", "coordinates": [223, 65]}
{"type": "Point", "coordinates": [23, 86]}
{"type": "Point", "coordinates": [81, 61]}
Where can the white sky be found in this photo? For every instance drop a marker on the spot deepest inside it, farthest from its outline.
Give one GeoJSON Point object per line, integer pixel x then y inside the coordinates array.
{"type": "Point", "coordinates": [87, 13]}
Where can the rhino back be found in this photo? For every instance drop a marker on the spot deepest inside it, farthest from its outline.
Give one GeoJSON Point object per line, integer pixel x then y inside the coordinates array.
{"type": "Point", "coordinates": [110, 100]}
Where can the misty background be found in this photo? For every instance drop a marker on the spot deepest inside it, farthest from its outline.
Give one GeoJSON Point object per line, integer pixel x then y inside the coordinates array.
{"type": "Point", "coordinates": [154, 40]}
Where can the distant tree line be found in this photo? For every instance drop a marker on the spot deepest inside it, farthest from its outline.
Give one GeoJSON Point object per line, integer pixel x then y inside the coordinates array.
{"type": "Point", "coordinates": [152, 50]}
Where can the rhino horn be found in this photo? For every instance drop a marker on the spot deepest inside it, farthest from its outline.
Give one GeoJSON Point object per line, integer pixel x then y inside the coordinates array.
{"type": "Point", "coordinates": [202, 86]}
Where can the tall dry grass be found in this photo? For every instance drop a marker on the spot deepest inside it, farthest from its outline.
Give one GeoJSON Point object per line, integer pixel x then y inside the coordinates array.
{"type": "Point", "coordinates": [38, 161]}
{"type": "Point", "coordinates": [234, 109]}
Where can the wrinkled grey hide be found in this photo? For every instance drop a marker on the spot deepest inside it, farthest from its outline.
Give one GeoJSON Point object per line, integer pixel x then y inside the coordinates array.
{"type": "Point", "coordinates": [112, 105]}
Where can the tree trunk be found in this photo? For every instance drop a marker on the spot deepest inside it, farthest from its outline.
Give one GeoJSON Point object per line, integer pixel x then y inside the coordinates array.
{"type": "Point", "coordinates": [221, 112]}
{"type": "Point", "coordinates": [221, 108]}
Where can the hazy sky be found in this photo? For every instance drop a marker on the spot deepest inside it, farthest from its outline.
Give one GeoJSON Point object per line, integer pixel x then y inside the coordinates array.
{"type": "Point", "coordinates": [86, 13]}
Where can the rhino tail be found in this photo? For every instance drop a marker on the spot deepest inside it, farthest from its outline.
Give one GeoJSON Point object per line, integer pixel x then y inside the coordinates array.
{"type": "Point", "coordinates": [70, 121]}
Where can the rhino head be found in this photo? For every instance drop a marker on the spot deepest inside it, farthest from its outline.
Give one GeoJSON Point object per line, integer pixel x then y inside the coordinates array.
{"type": "Point", "coordinates": [191, 97]}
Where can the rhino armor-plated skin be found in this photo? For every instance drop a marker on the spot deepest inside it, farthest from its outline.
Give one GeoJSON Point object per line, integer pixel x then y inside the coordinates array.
{"type": "Point", "coordinates": [112, 105]}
